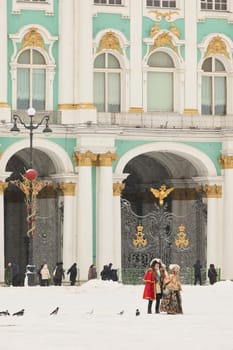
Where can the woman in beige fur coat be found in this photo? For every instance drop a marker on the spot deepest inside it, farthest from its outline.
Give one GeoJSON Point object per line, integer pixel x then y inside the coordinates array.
{"type": "Point", "coordinates": [171, 302]}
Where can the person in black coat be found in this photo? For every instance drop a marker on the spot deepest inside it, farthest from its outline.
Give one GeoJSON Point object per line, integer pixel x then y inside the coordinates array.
{"type": "Point", "coordinates": [73, 274]}
{"type": "Point", "coordinates": [197, 272]}
{"type": "Point", "coordinates": [105, 273]}
{"type": "Point", "coordinates": [58, 274]}
{"type": "Point", "coordinates": [212, 274]}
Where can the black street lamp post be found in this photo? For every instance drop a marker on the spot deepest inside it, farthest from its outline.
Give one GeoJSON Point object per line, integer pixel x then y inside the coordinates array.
{"type": "Point", "coordinates": [30, 269]}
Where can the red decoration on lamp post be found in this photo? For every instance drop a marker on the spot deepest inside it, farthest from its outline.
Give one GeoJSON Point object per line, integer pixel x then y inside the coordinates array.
{"type": "Point", "coordinates": [31, 174]}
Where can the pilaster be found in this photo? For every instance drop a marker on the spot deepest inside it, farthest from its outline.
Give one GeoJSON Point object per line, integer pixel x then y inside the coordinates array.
{"type": "Point", "coordinates": [3, 185]}
{"type": "Point", "coordinates": [4, 108]}
{"type": "Point", "coordinates": [84, 163]}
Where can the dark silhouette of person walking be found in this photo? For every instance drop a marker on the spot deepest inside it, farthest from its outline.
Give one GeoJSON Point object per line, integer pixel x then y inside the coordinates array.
{"type": "Point", "coordinates": [212, 274]}
{"type": "Point", "coordinates": [72, 271]}
{"type": "Point", "coordinates": [197, 272]}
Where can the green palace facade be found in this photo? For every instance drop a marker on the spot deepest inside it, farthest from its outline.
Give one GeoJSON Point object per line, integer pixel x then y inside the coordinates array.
{"type": "Point", "coordinates": [138, 94]}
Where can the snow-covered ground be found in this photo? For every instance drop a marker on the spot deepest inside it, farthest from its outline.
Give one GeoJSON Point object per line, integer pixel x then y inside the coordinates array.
{"type": "Point", "coordinates": [89, 318]}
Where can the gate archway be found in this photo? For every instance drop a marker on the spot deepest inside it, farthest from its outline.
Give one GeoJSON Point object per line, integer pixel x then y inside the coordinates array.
{"type": "Point", "coordinates": [47, 243]}
{"type": "Point", "coordinates": [182, 217]}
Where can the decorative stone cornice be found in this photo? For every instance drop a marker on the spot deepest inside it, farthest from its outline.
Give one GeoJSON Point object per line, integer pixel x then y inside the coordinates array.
{"type": "Point", "coordinates": [3, 186]}
{"type": "Point", "coordinates": [118, 188]}
{"type": "Point", "coordinates": [84, 159]}
{"type": "Point", "coordinates": [106, 159]}
{"type": "Point", "coordinates": [68, 188]}
{"type": "Point", "coordinates": [226, 162]}
{"type": "Point", "coordinates": [210, 191]}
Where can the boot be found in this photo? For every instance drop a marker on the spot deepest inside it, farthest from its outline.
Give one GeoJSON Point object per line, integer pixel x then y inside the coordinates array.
{"type": "Point", "coordinates": [149, 307]}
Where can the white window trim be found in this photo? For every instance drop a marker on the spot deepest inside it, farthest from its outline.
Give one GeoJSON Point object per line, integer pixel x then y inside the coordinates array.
{"type": "Point", "coordinates": [123, 10]}
{"type": "Point", "coordinates": [179, 11]}
{"type": "Point", "coordinates": [163, 8]}
{"type": "Point", "coordinates": [124, 77]}
{"type": "Point", "coordinates": [18, 6]}
{"type": "Point", "coordinates": [178, 83]}
{"type": "Point", "coordinates": [203, 14]}
{"type": "Point", "coordinates": [50, 62]}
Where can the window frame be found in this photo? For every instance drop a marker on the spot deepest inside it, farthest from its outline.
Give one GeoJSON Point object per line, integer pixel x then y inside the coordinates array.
{"type": "Point", "coordinates": [203, 14]}
{"type": "Point", "coordinates": [107, 3]}
{"type": "Point", "coordinates": [212, 75]}
{"type": "Point", "coordinates": [31, 67]}
{"type": "Point", "coordinates": [161, 7]}
{"type": "Point", "coordinates": [213, 9]}
{"type": "Point", "coordinates": [162, 70]}
{"type": "Point", "coordinates": [123, 9]}
{"type": "Point", "coordinates": [20, 5]}
{"type": "Point", "coordinates": [107, 71]}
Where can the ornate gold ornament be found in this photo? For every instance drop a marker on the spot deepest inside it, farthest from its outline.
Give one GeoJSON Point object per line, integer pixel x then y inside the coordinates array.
{"type": "Point", "coordinates": [182, 241]}
{"type": "Point", "coordinates": [162, 40]}
{"type": "Point", "coordinates": [4, 105]}
{"type": "Point", "coordinates": [68, 188]}
{"type": "Point", "coordinates": [140, 241]}
{"type": "Point", "coordinates": [154, 30]}
{"type": "Point", "coordinates": [167, 15]}
{"type": "Point", "coordinates": [162, 193]}
{"type": "Point", "coordinates": [110, 41]}
{"type": "Point", "coordinates": [75, 106]}
{"type": "Point", "coordinates": [30, 188]}
{"type": "Point", "coordinates": [3, 186]}
{"type": "Point", "coordinates": [106, 159]}
{"type": "Point", "coordinates": [84, 159]}
{"type": "Point", "coordinates": [217, 46]}
{"type": "Point", "coordinates": [118, 188]}
{"type": "Point", "coordinates": [33, 38]}
{"type": "Point", "coordinates": [226, 162]}
{"type": "Point", "coordinates": [136, 110]}
{"type": "Point", "coordinates": [175, 30]}
{"type": "Point", "coordinates": [210, 191]}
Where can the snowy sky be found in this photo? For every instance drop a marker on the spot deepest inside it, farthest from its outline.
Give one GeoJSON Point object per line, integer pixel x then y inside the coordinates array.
{"type": "Point", "coordinates": [89, 319]}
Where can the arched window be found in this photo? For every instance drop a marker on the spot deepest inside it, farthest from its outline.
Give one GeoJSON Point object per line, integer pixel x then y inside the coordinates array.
{"type": "Point", "coordinates": [107, 83]}
{"type": "Point", "coordinates": [160, 82]}
{"type": "Point", "coordinates": [31, 80]}
{"type": "Point", "coordinates": [213, 87]}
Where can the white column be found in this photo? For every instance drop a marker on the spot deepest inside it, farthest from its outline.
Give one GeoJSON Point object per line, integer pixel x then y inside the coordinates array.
{"type": "Point", "coordinates": [227, 272]}
{"type": "Point", "coordinates": [136, 57]}
{"type": "Point", "coordinates": [4, 108]}
{"type": "Point", "coordinates": [84, 58]}
{"type": "Point", "coordinates": [84, 212]}
{"type": "Point", "coordinates": [66, 52]}
{"type": "Point", "coordinates": [66, 61]}
{"type": "Point", "coordinates": [2, 253]}
{"type": "Point", "coordinates": [105, 232]}
{"type": "Point", "coordinates": [117, 188]}
{"type": "Point", "coordinates": [212, 231]}
{"type": "Point", "coordinates": [68, 251]}
{"type": "Point", "coordinates": [190, 104]}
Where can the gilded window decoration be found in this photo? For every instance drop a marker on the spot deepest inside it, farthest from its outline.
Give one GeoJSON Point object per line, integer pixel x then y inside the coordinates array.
{"type": "Point", "coordinates": [164, 40]}
{"type": "Point", "coordinates": [33, 38]}
{"type": "Point", "coordinates": [217, 46]}
{"type": "Point", "coordinates": [110, 41]}
{"type": "Point", "coordinates": [167, 15]}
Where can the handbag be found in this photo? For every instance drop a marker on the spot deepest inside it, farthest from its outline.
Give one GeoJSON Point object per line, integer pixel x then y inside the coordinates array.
{"type": "Point", "coordinates": [166, 291]}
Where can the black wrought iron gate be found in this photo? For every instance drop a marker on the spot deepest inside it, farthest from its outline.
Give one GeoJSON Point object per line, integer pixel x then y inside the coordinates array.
{"type": "Point", "coordinates": [162, 234]}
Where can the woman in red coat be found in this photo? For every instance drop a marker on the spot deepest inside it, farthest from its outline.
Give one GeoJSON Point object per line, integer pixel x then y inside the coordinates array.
{"type": "Point", "coordinates": [149, 289]}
